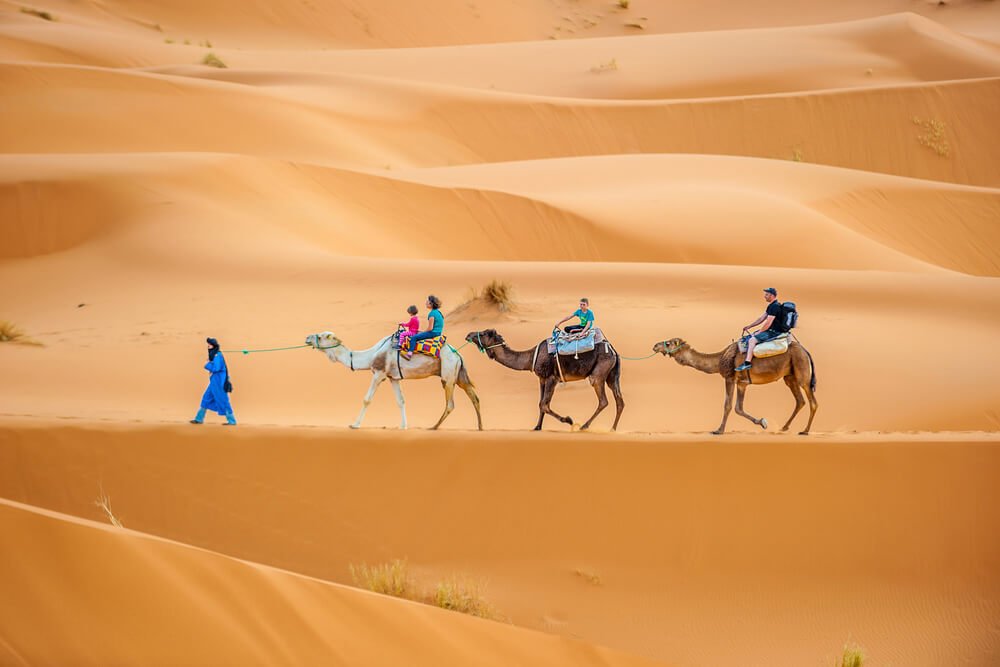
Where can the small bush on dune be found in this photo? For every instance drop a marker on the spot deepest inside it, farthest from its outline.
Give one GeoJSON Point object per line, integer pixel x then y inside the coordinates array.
{"type": "Point", "coordinates": [104, 502]}
{"type": "Point", "coordinates": [37, 12]}
{"type": "Point", "coordinates": [394, 579]}
{"type": "Point", "coordinates": [213, 60]}
{"type": "Point", "coordinates": [464, 596]}
{"type": "Point", "coordinates": [388, 579]}
{"type": "Point", "coordinates": [11, 333]}
{"type": "Point", "coordinates": [498, 293]}
{"type": "Point", "coordinates": [853, 656]}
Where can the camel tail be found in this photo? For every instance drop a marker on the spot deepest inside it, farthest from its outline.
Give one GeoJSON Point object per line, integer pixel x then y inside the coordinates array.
{"type": "Point", "coordinates": [812, 371]}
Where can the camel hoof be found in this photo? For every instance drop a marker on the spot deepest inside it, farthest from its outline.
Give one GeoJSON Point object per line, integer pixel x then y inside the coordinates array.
{"type": "Point", "coordinates": [354, 427]}
{"type": "Point", "coordinates": [763, 423]}
{"type": "Point", "coordinates": [803, 432]}
{"type": "Point", "coordinates": [537, 428]}
{"type": "Point", "coordinates": [717, 432]}
{"type": "Point", "coordinates": [784, 428]}
{"type": "Point", "coordinates": [568, 420]}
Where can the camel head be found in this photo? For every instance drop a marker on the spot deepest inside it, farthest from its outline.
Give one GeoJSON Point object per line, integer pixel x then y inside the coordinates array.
{"type": "Point", "coordinates": [486, 339]}
{"type": "Point", "coordinates": [323, 341]}
{"type": "Point", "coordinates": [670, 347]}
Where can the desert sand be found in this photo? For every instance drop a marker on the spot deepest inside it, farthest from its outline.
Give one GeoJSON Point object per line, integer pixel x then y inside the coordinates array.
{"type": "Point", "coordinates": [666, 160]}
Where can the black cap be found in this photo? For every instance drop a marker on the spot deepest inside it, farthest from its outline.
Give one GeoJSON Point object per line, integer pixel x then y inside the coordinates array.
{"type": "Point", "coordinates": [771, 290]}
{"type": "Point", "coordinates": [212, 342]}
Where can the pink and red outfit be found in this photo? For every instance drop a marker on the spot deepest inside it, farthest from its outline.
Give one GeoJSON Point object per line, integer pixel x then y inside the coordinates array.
{"type": "Point", "coordinates": [412, 327]}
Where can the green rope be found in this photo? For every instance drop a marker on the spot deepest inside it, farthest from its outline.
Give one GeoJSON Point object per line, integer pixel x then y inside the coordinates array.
{"type": "Point", "coordinates": [653, 354]}
{"type": "Point", "coordinates": [272, 349]}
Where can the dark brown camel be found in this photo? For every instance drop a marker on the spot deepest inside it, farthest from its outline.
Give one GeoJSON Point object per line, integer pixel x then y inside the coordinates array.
{"type": "Point", "coordinates": [795, 367]}
{"type": "Point", "coordinates": [600, 367]}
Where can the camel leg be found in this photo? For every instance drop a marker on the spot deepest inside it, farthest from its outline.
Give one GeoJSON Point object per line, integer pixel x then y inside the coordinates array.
{"type": "Point", "coordinates": [470, 391]}
{"type": "Point", "coordinates": [812, 407]}
{"type": "Point", "coordinates": [377, 379]}
{"type": "Point", "coordinates": [449, 402]}
{"type": "Point", "coordinates": [741, 391]}
{"type": "Point", "coordinates": [541, 404]}
{"type": "Point", "coordinates": [793, 386]}
{"type": "Point", "coordinates": [730, 384]}
{"type": "Point", "coordinates": [614, 381]}
{"type": "Point", "coordinates": [547, 393]}
{"type": "Point", "coordinates": [602, 400]}
{"type": "Point", "coordinates": [401, 402]}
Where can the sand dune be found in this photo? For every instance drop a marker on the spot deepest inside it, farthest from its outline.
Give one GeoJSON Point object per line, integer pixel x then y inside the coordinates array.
{"type": "Point", "coordinates": [702, 554]}
{"type": "Point", "coordinates": [667, 160]}
{"type": "Point", "coordinates": [82, 593]}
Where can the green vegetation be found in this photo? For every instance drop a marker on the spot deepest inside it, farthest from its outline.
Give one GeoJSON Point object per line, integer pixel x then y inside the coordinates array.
{"type": "Point", "coordinates": [853, 656]}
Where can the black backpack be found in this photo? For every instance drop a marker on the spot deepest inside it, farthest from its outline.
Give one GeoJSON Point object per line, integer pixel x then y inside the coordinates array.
{"type": "Point", "coordinates": [789, 318]}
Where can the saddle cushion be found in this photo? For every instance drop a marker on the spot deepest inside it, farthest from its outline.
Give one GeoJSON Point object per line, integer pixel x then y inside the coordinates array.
{"type": "Point", "coordinates": [431, 346]}
{"type": "Point", "coordinates": [772, 348]}
{"type": "Point", "coordinates": [575, 343]}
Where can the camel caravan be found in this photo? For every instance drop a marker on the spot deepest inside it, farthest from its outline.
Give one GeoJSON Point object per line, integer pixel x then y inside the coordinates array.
{"type": "Point", "coordinates": [580, 351]}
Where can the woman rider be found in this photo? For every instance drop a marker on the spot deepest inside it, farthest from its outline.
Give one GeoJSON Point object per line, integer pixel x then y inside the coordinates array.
{"type": "Point", "coordinates": [435, 326]}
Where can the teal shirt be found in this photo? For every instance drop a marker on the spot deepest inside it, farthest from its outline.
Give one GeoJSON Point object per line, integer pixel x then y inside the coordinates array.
{"type": "Point", "coordinates": [437, 320]}
{"type": "Point", "coordinates": [584, 316]}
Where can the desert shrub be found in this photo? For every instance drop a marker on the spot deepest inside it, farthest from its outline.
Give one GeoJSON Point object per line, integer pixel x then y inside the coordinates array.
{"type": "Point", "coordinates": [498, 293]}
{"type": "Point", "coordinates": [853, 656]}
{"type": "Point", "coordinates": [38, 12]}
{"type": "Point", "coordinates": [386, 578]}
{"type": "Point", "coordinates": [11, 333]}
{"type": "Point", "coordinates": [454, 594]}
{"type": "Point", "coordinates": [213, 60]}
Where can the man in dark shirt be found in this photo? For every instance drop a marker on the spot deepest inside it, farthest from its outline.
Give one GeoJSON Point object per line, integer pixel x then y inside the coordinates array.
{"type": "Point", "coordinates": [773, 325]}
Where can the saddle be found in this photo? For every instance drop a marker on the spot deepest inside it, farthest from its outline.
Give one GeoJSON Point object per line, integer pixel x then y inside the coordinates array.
{"type": "Point", "coordinates": [575, 343]}
{"type": "Point", "coordinates": [431, 346]}
{"type": "Point", "coordinates": [772, 348]}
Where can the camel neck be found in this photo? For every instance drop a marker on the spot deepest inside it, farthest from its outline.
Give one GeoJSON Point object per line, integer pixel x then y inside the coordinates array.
{"type": "Point", "coordinates": [518, 361]}
{"type": "Point", "coordinates": [357, 360]}
{"type": "Point", "coordinates": [706, 363]}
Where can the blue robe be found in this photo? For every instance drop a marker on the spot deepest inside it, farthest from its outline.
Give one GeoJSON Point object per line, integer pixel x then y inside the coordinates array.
{"type": "Point", "coordinates": [216, 398]}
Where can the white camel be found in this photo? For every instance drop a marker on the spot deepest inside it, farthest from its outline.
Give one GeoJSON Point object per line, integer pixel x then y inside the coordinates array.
{"type": "Point", "coordinates": [385, 363]}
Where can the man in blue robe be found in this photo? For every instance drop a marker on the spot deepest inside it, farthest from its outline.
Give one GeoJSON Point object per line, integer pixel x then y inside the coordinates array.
{"type": "Point", "coordinates": [216, 399]}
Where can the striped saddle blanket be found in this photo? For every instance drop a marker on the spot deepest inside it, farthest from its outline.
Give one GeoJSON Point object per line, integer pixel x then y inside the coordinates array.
{"type": "Point", "coordinates": [431, 346]}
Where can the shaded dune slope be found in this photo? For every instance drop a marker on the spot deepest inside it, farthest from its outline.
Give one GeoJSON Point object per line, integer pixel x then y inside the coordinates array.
{"type": "Point", "coordinates": [88, 594]}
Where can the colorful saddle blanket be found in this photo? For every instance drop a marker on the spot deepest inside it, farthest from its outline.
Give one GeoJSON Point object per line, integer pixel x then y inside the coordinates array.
{"type": "Point", "coordinates": [564, 343]}
{"type": "Point", "coordinates": [431, 346]}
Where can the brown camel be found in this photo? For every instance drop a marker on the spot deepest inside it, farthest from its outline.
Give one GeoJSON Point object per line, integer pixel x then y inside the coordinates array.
{"type": "Point", "coordinates": [795, 367]}
{"type": "Point", "coordinates": [600, 367]}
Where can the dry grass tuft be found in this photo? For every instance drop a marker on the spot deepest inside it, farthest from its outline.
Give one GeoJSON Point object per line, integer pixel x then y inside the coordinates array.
{"type": "Point", "coordinates": [104, 502]}
{"type": "Point", "coordinates": [589, 576]}
{"type": "Point", "coordinates": [609, 66]}
{"type": "Point", "coordinates": [387, 578]}
{"type": "Point", "coordinates": [498, 293]}
{"type": "Point", "coordinates": [853, 656]}
{"type": "Point", "coordinates": [11, 333]}
{"type": "Point", "coordinates": [464, 596]}
{"type": "Point", "coordinates": [213, 60]}
{"type": "Point", "coordinates": [932, 136]}
{"type": "Point", "coordinates": [454, 594]}
{"type": "Point", "coordinates": [623, 4]}
{"type": "Point", "coordinates": [38, 12]}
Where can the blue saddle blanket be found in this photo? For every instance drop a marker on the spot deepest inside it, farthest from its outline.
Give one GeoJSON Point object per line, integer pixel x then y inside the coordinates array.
{"type": "Point", "coordinates": [573, 344]}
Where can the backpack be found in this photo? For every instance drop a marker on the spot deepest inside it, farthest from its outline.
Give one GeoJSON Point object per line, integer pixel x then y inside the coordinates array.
{"type": "Point", "coordinates": [789, 318]}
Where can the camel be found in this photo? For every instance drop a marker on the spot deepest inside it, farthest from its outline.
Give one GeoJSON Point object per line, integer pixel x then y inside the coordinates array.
{"type": "Point", "coordinates": [795, 367]}
{"type": "Point", "coordinates": [385, 363]}
{"type": "Point", "coordinates": [600, 367]}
